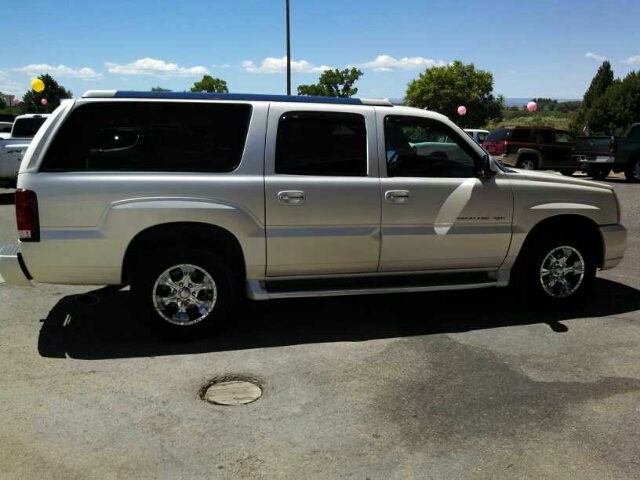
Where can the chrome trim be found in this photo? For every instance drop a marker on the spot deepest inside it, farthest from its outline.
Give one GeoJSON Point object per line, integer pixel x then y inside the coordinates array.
{"type": "Point", "coordinates": [373, 291]}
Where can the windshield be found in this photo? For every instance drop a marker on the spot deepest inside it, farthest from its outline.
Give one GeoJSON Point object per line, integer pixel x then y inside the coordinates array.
{"type": "Point", "coordinates": [27, 127]}
{"type": "Point", "coordinates": [498, 135]}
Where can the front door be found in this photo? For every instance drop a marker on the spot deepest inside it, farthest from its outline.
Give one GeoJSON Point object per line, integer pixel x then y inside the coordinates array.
{"type": "Point", "coordinates": [322, 191]}
{"type": "Point", "coordinates": [436, 213]}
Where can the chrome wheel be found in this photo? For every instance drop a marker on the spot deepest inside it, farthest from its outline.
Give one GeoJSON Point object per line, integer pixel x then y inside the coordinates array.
{"type": "Point", "coordinates": [527, 164]}
{"type": "Point", "coordinates": [562, 271]}
{"type": "Point", "coordinates": [184, 294]}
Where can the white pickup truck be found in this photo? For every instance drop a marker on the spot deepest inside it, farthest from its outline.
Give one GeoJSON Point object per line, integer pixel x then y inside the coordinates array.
{"type": "Point", "coordinates": [12, 148]}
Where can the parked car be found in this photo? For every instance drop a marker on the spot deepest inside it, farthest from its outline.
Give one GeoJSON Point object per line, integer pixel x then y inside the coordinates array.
{"type": "Point", "coordinates": [600, 155]}
{"type": "Point", "coordinates": [5, 127]}
{"type": "Point", "coordinates": [13, 147]}
{"type": "Point", "coordinates": [197, 199]}
{"type": "Point", "coordinates": [533, 148]}
{"type": "Point", "coordinates": [477, 134]}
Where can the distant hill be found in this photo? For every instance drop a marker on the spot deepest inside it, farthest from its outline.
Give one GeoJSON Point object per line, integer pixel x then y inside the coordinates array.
{"type": "Point", "coordinates": [521, 102]}
{"type": "Point", "coordinates": [509, 102]}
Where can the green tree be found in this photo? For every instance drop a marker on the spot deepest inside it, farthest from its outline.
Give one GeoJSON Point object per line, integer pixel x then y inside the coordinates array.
{"type": "Point", "coordinates": [444, 89]}
{"type": "Point", "coordinates": [3, 103]}
{"type": "Point", "coordinates": [210, 84]}
{"type": "Point", "coordinates": [333, 83]}
{"type": "Point", "coordinates": [53, 92]}
{"type": "Point", "coordinates": [159, 89]}
{"type": "Point", "coordinates": [619, 107]}
{"type": "Point", "coordinates": [600, 83]}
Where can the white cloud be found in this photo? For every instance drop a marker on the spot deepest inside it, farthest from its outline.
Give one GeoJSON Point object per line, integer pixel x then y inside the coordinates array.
{"type": "Point", "coordinates": [226, 65]}
{"type": "Point", "coordinates": [279, 65]}
{"type": "Point", "coordinates": [83, 73]}
{"type": "Point", "coordinates": [3, 74]}
{"type": "Point", "coordinates": [513, 72]}
{"type": "Point", "coordinates": [158, 68]}
{"type": "Point", "coordinates": [386, 63]}
{"type": "Point", "coordinates": [635, 60]}
{"type": "Point", "coordinates": [595, 56]}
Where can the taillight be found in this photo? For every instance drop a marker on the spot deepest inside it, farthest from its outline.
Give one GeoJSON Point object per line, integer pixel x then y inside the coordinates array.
{"type": "Point", "coordinates": [612, 145]}
{"type": "Point", "coordinates": [27, 216]}
{"type": "Point", "coordinates": [505, 147]}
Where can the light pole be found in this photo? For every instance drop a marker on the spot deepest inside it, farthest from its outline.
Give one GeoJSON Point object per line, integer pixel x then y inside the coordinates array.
{"type": "Point", "coordinates": [288, 54]}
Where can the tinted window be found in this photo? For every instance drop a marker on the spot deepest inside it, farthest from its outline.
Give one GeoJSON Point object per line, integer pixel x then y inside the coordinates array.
{"type": "Point", "coordinates": [634, 131]}
{"type": "Point", "coordinates": [498, 135]}
{"type": "Point", "coordinates": [421, 147]}
{"type": "Point", "coordinates": [321, 144]}
{"type": "Point", "coordinates": [563, 137]}
{"type": "Point", "coordinates": [27, 127]}
{"type": "Point", "coordinates": [544, 136]}
{"type": "Point", "coordinates": [151, 136]}
{"type": "Point", "coordinates": [481, 137]}
{"type": "Point", "coordinates": [520, 135]}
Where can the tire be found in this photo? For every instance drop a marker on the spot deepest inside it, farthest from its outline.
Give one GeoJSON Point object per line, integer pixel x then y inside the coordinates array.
{"type": "Point", "coordinates": [598, 172]}
{"type": "Point", "coordinates": [568, 172]}
{"type": "Point", "coordinates": [541, 280]}
{"type": "Point", "coordinates": [182, 292]}
{"type": "Point", "coordinates": [527, 162]}
{"type": "Point", "coordinates": [632, 172]}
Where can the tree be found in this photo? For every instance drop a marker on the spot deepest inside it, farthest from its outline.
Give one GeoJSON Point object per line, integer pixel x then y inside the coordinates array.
{"type": "Point", "coordinates": [53, 92]}
{"type": "Point", "coordinates": [333, 83]}
{"type": "Point", "coordinates": [3, 103]}
{"type": "Point", "coordinates": [619, 107]}
{"type": "Point", "coordinates": [159, 89]}
{"type": "Point", "coordinates": [210, 84]}
{"type": "Point", "coordinates": [444, 89]}
{"type": "Point", "coordinates": [600, 83]}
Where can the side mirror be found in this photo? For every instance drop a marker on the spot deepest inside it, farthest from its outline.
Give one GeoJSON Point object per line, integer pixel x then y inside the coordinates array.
{"type": "Point", "coordinates": [483, 169]}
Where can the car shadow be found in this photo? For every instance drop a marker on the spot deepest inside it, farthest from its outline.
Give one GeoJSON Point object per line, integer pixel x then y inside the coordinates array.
{"type": "Point", "coordinates": [99, 325]}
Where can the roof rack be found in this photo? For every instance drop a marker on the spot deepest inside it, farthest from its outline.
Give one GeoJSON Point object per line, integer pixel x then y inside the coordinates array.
{"type": "Point", "coordinates": [234, 96]}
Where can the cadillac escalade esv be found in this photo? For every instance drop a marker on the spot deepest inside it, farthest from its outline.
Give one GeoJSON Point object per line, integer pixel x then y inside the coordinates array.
{"type": "Point", "coordinates": [198, 199]}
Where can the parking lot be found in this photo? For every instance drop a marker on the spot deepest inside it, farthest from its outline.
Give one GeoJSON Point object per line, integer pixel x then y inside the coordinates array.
{"type": "Point", "coordinates": [455, 385]}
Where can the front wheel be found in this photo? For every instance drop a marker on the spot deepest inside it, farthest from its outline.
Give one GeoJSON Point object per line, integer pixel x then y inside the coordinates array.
{"type": "Point", "coordinates": [555, 270]}
{"type": "Point", "coordinates": [632, 172]}
{"type": "Point", "coordinates": [182, 291]}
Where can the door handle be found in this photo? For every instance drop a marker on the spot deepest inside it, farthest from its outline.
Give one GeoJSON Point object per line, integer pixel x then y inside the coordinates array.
{"type": "Point", "coordinates": [292, 197]}
{"type": "Point", "coordinates": [397, 196]}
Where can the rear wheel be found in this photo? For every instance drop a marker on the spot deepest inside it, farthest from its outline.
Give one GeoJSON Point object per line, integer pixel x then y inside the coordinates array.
{"type": "Point", "coordinates": [598, 172]}
{"type": "Point", "coordinates": [632, 172]}
{"type": "Point", "coordinates": [182, 291]}
{"type": "Point", "coordinates": [527, 162]}
{"type": "Point", "coordinates": [555, 269]}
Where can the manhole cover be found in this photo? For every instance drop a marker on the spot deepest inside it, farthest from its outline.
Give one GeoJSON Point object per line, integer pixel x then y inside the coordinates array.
{"type": "Point", "coordinates": [232, 392]}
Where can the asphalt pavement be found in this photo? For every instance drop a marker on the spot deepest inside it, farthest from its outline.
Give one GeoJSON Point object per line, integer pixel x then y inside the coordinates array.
{"type": "Point", "coordinates": [453, 385]}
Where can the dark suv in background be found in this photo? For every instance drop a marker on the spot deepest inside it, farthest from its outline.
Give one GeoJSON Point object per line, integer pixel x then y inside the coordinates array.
{"type": "Point", "coordinates": [533, 148]}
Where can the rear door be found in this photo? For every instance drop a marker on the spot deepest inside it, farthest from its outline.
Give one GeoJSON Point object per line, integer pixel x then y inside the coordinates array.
{"type": "Point", "coordinates": [322, 190]}
{"type": "Point", "coordinates": [563, 149]}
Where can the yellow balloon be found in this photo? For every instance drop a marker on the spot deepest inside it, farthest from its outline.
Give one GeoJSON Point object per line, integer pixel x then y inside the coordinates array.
{"type": "Point", "coordinates": [37, 85]}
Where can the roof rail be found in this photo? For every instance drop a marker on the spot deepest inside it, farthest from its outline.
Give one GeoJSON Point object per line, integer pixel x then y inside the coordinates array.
{"type": "Point", "coordinates": [233, 96]}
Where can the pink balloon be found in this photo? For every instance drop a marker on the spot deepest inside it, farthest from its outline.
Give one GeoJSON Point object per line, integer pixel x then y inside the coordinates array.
{"type": "Point", "coordinates": [532, 106]}
{"type": "Point", "coordinates": [462, 110]}
{"type": "Point", "coordinates": [44, 102]}
{"type": "Point", "coordinates": [16, 101]}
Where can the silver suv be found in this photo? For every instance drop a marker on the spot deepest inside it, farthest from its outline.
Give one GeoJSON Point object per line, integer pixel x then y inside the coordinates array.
{"type": "Point", "coordinates": [196, 200]}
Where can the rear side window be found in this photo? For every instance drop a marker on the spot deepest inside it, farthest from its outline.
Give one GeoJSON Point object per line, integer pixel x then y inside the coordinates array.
{"type": "Point", "coordinates": [498, 135]}
{"type": "Point", "coordinates": [520, 135]}
{"type": "Point", "coordinates": [151, 136]}
{"type": "Point", "coordinates": [332, 144]}
{"type": "Point", "coordinates": [27, 127]}
{"type": "Point", "coordinates": [634, 131]}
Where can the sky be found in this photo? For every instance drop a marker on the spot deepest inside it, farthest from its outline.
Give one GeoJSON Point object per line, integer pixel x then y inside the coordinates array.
{"type": "Point", "coordinates": [538, 48]}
